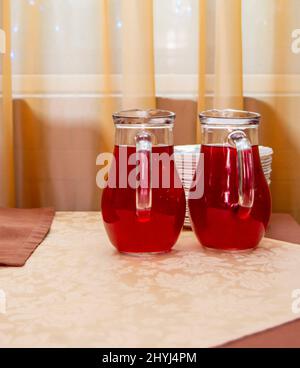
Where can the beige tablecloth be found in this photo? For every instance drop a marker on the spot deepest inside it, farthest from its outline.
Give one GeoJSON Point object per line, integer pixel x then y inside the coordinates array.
{"type": "Point", "coordinates": [77, 291]}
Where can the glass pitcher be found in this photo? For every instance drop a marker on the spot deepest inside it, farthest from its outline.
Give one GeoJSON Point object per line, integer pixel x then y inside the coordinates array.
{"type": "Point", "coordinates": [143, 207]}
{"type": "Point", "coordinates": [235, 207]}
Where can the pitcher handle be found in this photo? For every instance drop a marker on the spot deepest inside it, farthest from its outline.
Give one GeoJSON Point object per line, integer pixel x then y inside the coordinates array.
{"type": "Point", "coordinates": [245, 168]}
{"type": "Point", "coordinates": [144, 190]}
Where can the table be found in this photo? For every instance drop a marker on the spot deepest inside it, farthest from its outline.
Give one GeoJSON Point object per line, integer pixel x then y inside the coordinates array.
{"type": "Point", "coordinates": [56, 301]}
{"type": "Point", "coordinates": [282, 227]}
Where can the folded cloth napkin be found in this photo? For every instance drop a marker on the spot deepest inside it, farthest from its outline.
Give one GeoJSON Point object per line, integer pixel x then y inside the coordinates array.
{"type": "Point", "coordinates": [21, 231]}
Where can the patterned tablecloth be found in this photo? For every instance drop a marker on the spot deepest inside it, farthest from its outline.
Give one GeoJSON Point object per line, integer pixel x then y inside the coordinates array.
{"type": "Point", "coordinates": [77, 291]}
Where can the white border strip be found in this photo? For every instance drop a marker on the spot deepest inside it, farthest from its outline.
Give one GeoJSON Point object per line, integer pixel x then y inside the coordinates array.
{"type": "Point", "coordinates": [166, 85]}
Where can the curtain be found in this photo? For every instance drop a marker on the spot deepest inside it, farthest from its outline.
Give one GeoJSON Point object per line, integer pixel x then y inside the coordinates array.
{"type": "Point", "coordinates": [138, 74]}
{"type": "Point", "coordinates": [228, 55]}
{"type": "Point", "coordinates": [228, 68]}
{"type": "Point", "coordinates": [268, 61]}
{"type": "Point", "coordinates": [138, 87]}
{"type": "Point", "coordinates": [7, 187]}
{"type": "Point", "coordinates": [201, 62]}
{"type": "Point", "coordinates": [55, 158]}
{"type": "Point", "coordinates": [75, 62]}
{"type": "Point", "coordinates": [107, 127]}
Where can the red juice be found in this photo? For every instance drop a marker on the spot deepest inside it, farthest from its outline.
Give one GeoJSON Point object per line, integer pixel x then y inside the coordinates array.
{"type": "Point", "coordinates": [159, 229]}
{"type": "Point", "coordinates": [217, 219]}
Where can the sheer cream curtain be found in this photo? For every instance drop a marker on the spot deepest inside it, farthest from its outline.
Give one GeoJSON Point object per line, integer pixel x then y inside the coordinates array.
{"type": "Point", "coordinates": [56, 161]}
{"type": "Point", "coordinates": [138, 73]}
{"type": "Point", "coordinates": [7, 187]}
{"type": "Point", "coordinates": [255, 58]}
{"type": "Point", "coordinates": [228, 51]}
{"type": "Point", "coordinates": [75, 62]}
{"type": "Point", "coordinates": [107, 127]}
{"type": "Point", "coordinates": [201, 62]}
{"type": "Point", "coordinates": [228, 55]}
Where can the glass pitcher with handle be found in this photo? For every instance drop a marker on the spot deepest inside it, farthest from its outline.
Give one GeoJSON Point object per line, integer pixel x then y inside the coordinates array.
{"type": "Point", "coordinates": [143, 207]}
{"type": "Point", "coordinates": [235, 207]}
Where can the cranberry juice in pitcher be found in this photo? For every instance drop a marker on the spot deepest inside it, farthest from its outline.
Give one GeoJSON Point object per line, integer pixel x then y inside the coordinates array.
{"type": "Point", "coordinates": [235, 208]}
{"type": "Point", "coordinates": [144, 211]}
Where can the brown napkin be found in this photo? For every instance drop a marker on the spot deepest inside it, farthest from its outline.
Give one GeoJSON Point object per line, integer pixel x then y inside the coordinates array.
{"type": "Point", "coordinates": [21, 231]}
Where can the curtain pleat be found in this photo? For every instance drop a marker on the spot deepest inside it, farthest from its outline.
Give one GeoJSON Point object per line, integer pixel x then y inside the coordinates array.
{"type": "Point", "coordinates": [107, 124]}
{"type": "Point", "coordinates": [138, 88]}
{"type": "Point", "coordinates": [7, 183]}
{"type": "Point", "coordinates": [228, 55]}
{"type": "Point", "coordinates": [201, 63]}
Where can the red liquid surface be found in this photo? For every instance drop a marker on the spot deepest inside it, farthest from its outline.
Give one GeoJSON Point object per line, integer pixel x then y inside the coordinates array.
{"type": "Point", "coordinates": [159, 229]}
{"type": "Point", "coordinates": [217, 219]}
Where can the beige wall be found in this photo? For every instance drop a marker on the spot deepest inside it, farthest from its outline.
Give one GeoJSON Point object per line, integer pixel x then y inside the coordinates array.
{"type": "Point", "coordinates": [57, 141]}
